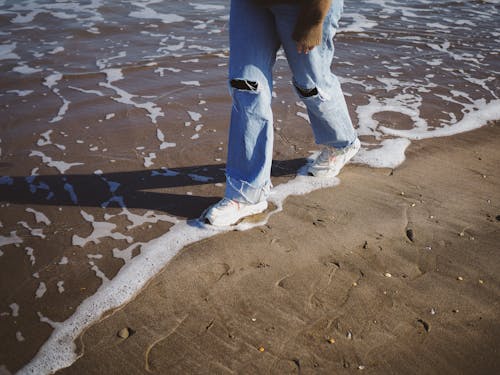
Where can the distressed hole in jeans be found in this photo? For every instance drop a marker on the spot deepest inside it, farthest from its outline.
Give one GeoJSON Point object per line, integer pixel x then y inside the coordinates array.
{"type": "Point", "coordinates": [242, 84]}
{"type": "Point", "coordinates": [307, 93]}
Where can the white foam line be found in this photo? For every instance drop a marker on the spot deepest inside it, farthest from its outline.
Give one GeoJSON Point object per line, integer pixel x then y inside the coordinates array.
{"type": "Point", "coordinates": [195, 116]}
{"type": "Point", "coordinates": [25, 69]}
{"type": "Point", "coordinates": [95, 92]}
{"type": "Point", "coordinates": [61, 166]}
{"type": "Point", "coordinates": [35, 232]}
{"type": "Point", "coordinates": [126, 254]}
{"type": "Point", "coordinates": [389, 155]}
{"type": "Point", "coordinates": [100, 229]}
{"type": "Point", "coordinates": [29, 252]}
{"type": "Point", "coordinates": [7, 51]}
{"type": "Point", "coordinates": [51, 81]}
{"type": "Point", "coordinates": [103, 63]}
{"type": "Point", "coordinates": [360, 23]}
{"type": "Point", "coordinates": [113, 75]}
{"type": "Point", "coordinates": [148, 160]}
{"type": "Point", "coordinates": [207, 7]}
{"type": "Point", "coordinates": [15, 309]}
{"type": "Point", "coordinates": [472, 120]}
{"type": "Point", "coordinates": [161, 137]}
{"type": "Point", "coordinates": [40, 217]}
{"type": "Point", "coordinates": [190, 83]}
{"type": "Point", "coordinates": [149, 13]}
{"type": "Point", "coordinates": [63, 109]}
{"type": "Point", "coordinates": [20, 92]}
{"type": "Point", "coordinates": [45, 140]}
{"type": "Point", "coordinates": [42, 288]}
{"type": "Point", "coordinates": [12, 239]}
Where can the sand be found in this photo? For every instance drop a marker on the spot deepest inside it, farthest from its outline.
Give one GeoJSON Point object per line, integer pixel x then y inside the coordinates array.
{"type": "Point", "coordinates": [391, 272]}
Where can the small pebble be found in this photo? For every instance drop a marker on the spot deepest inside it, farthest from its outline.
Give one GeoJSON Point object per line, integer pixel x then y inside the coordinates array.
{"type": "Point", "coordinates": [455, 310]}
{"type": "Point", "coordinates": [460, 278]}
{"type": "Point", "coordinates": [349, 335]}
{"type": "Point", "coordinates": [254, 319]}
{"type": "Point", "coordinates": [361, 367]}
{"type": "Point", "coordinates": [355, 284]}
{"type": "Point", "coordinates": [331, 340]}
{"type": "Point", "coordinates": [481, 281]}
{"type": "Point", "coordinates": [261, 349]}
{"type": "Point", "coordinates": [387, 274]}
{"type": "Point", "coordinates": [461, 234]}
{"type": "Point", "coordinates": [124, 333]}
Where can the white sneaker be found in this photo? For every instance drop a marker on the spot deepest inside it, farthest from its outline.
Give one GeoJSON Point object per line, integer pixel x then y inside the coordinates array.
{"type": "Point", "coordinates": [331, 160]}
{"type": "Point", "coordinates": [228, 212]}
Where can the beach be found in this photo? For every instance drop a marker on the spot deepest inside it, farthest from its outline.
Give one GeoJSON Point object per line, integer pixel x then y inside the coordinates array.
{"type": "Point", "coordinates": [334, 284]}
{"type": "Point", "coordinates": [113, 140]}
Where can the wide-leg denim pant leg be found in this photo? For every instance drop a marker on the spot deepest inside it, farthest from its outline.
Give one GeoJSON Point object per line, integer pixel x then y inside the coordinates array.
{"type": "Point", "coordinates": [315, 83]}
{"type": "Point", "coordinates": [253, 46]}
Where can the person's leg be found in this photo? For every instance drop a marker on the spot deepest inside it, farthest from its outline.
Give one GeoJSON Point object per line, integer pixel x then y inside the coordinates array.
{"type": "Point", "coordinates": [314, 81]}
{"type": "Point", "coordinates": [253, 46]}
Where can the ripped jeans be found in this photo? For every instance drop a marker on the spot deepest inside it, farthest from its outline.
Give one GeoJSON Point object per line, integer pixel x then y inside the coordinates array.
{"type": "Point", "coordinates": [256, 34]}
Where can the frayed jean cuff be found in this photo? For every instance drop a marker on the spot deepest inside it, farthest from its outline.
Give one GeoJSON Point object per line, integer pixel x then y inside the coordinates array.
{"type": "Point", "coordinates": [244, 192]}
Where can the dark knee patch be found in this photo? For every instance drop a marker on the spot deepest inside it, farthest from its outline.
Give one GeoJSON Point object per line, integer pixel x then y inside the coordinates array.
{"type": "Point", "coordinates": [307, 93]}
{"type": "Point", "coordinates": [242, 84]}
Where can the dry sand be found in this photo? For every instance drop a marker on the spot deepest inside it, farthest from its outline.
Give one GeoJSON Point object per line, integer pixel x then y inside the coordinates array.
{"type": "Point", "coordinates": [334, 284]}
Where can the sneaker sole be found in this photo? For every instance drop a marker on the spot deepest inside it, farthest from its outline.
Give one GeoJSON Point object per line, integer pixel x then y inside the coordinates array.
{"type": "Point", "coordinates": [228, 220]}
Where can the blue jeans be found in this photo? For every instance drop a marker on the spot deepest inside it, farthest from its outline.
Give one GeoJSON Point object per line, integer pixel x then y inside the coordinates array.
{"type": "Point", "coordinates": [256, 34]}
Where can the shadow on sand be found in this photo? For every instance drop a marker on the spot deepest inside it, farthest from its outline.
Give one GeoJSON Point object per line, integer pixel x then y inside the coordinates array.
{"type": "Point", "coordinates": [129, 189]}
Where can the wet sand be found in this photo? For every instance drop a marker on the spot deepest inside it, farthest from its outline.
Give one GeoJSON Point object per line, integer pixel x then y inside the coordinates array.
{"type": "Point", "coordinates": [391, 272]}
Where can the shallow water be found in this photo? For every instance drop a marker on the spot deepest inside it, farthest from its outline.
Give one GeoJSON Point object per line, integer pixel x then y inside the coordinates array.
{"type": "Point", "coordinates": [114, 125]}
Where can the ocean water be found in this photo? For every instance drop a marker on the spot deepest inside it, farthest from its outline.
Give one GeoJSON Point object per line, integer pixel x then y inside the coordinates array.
{"type": "Point", "coordinates": [113, 130]}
